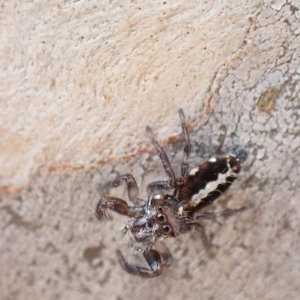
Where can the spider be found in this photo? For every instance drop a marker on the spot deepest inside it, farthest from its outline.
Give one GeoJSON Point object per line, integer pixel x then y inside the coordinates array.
{"type": "Point", "coordinates": [174, 207]}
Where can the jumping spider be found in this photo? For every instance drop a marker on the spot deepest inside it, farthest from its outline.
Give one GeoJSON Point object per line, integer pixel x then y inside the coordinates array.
{"type": "Point", "coordinates": [167, 214]}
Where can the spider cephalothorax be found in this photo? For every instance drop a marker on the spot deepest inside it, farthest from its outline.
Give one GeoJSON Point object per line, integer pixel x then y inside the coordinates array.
{"type": "Point", "coordinates": [173, 207]}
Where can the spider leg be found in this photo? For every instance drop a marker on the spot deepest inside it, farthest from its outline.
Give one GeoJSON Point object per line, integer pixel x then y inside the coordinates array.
{"type": "Point", "coordinates": [153, 259]}
{"type": "Point", "coordinates": [132, 188]}
{"type": "Point", "coordinates": [164, 158]}
{"type": "Point", "coordinates": [157, 185]}
{"type": "Point", "coordinates": [164, 253]}
{"type": "Point", "coordinates": [200, 228]}
{"type": "Point", "coordinates": [186, 150]}
{"type": "Point", "coordinates": [117, 205]}
{"type": "Point", "coordinates": [214, 215]}
{"type": "Point", "coordinates": [211, 215]}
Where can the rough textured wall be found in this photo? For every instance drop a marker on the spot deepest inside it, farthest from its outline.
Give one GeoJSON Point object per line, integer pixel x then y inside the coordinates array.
{"type": "Point", "coordinates": [79, 82]}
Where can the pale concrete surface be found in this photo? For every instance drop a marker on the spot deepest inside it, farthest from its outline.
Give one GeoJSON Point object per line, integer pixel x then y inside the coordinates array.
{"type": "Point", "coordinates": [79, 75]}
{"type": "Point", "coordinates": [79, 82]}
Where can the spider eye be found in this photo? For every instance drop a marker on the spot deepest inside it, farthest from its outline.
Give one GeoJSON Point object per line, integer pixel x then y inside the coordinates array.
{"type": "Point", "coordinates": [166, 229]}
{"type": "Point", "coordinates": [161, 218]}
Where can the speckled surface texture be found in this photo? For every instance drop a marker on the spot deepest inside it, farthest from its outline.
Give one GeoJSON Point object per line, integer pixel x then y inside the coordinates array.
{"type": "Point", "coordinates": [79, 82]}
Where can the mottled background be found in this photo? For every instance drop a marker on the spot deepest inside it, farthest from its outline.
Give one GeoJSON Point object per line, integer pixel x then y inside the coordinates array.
{"type": "Point", "coordinates": [80, 80]}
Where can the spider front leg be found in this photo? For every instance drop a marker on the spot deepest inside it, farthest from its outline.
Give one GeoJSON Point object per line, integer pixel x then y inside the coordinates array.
{"type": "Point", "coordinates": [132, 188]}
{"type": "Point", "coordinates": [117, 205]}
{"type": "Point", "coordinates": [153, 259]}
{"type": "Point", "coordinates": [165, 254]}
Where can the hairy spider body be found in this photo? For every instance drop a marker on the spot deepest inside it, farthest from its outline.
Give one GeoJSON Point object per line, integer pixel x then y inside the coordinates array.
{"type": "Point", "coordinates": [167, 214]}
